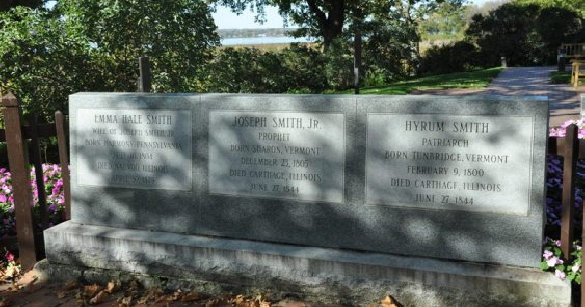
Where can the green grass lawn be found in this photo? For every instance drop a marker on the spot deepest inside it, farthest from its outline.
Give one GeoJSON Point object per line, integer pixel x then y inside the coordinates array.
{"type": "Point", "coordinates": [472, 79]}
{"type": "Point", "coordinates": [557, 77]}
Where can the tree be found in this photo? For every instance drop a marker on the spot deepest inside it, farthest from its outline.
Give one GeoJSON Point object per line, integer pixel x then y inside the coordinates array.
{"type": "Point", "coordinates": [5, 5]}
{"type": "Point", "coordinates": [43, 60]}
{"type": "Point", "coordinates": [573, 5]}
{"type": "Point", "coordinates": [177, 35]}
{"type": "Point", "coordinates": [447, 22]}
{"type": "Point", "coordinates": [86, 45]}
{"type": "Point", "coordinates": [328, 19]}
{"type": "Point", "coordinates": [526, 34]}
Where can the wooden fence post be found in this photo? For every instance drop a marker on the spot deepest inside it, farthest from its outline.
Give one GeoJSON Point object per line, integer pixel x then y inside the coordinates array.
{"type": "Point", "coordinates": [571, 154]}
{"type": "Point", "coordinates": [144, 81]}
{"type": "Point", "coordinates": [64, 161]}
{"type": "Point", "coordinates": [18, 161]}
{"type": "Point", "coordinates": [36, 160]}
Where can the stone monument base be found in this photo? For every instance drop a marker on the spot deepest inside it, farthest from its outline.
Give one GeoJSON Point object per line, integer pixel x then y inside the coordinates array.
{"type": "Point", "coordinates": [213, 265]}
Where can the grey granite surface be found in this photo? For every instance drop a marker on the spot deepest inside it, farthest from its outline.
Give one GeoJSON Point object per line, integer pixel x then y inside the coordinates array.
{"type": "Point", "coordinates": [326, 157]}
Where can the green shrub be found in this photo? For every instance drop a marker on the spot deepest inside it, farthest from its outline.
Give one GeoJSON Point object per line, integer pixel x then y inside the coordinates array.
{"type": "Point", "coordinates": [453, 57]}
{"type": "Point", "coordinates": [297, 69]}
{"type": "Point", "coordinates": [526, 34]}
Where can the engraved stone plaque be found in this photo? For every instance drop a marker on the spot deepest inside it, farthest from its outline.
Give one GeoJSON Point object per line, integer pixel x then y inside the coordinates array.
{"type": "Point", "coordinates": [134, 148]}
{"type": "Point", "coordinates": [297, 156]}
{"type": "Point", "coordinates": [464, 162]}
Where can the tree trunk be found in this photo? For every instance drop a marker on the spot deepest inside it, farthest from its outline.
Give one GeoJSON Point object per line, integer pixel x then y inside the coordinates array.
{"type": "Point", "coordinates": [330, 23]}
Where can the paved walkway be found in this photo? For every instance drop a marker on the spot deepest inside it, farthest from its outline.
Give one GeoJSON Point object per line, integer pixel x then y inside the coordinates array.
{"type": "Point", "coordinates": [564, 100]}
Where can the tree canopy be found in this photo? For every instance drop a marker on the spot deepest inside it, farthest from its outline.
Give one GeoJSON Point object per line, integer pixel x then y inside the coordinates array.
{"type": "Point", "coordinates": [328, 19]}
{"type": "Point", "coordinates": [82, 45]}
{"type": "Point", "coordinates": [176, 34]}
{"type": "Point", "coordinates": [5, 5]}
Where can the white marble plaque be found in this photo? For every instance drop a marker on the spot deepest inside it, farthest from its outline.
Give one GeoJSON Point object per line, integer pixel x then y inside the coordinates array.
{"type": "Point", "coordinates": [473, 163]}
{"type": "Point", "coordinates": [134, 148]}
{"type": "Point", "coordinates": [289, 155]}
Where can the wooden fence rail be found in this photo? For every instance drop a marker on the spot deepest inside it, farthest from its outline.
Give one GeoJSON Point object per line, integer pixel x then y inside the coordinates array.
{"type": "Point", "coordinates": [15, 135]}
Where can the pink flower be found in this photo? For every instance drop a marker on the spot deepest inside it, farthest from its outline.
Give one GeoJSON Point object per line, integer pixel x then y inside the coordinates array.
{"type": "Point", "coordinates": [547, 254]}
{"type": "Point", "coordinates": [558, 243]}
{"type": "Point", "coordinates": [9, 257]}
{"type": "Point", "coordinates": [552, 261]}
{"type": "Point", "coordinates": [560, 274]}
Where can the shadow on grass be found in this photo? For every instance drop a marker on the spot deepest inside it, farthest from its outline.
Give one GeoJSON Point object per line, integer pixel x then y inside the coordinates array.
{"type": "Point", "coordinates": [472, 79]}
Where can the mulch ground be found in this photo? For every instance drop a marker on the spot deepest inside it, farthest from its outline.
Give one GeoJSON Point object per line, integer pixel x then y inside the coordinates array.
{"type": "Point", "coordinates": [28, 290]}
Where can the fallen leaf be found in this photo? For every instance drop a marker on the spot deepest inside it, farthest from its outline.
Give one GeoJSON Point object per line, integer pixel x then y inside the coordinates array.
{"type": "Point", "coordinates": [211, 303]}
{"type": "Point", "coordinates": [388, 302]}
{"type": "Point", "coordinates": [113, 286]}
{"type": "Point", "coordinates": [134, 285]}
{"type": "Point", "coordinates": [239, 299]}
{"type": "Point", "coordinates": [4, 302]}
{"type": "Point", "coordinates": [176, 295]}
{"type": "Point", "coordinates": [70, 285]}
{"type": "Point", "coordinates": [12, 271]}
{"type": "Point", "coordinates": [99, 298]}
{"type": "Point", "coordinates": [91, 290]}
{"type": "Point", "coordinates": [125, 301]}
{"type": "Point", "coordinates": [190, 296]}
{"type": "Point", "coordinates": [62, 293]}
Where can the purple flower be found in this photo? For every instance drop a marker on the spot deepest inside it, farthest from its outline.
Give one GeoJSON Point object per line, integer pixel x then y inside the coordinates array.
{"type": "Point", "coordinates": [558, 243]}
{"type": "Point", "coordinates": [560, 274]}
{"type": "Point", "coordinates": [547, 254]}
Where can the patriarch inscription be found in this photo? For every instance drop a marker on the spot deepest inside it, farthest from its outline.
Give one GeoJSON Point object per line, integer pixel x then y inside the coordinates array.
{"type": "Point", "coordinates": [464, 162]}
{"type": "Point", "coordinates": [297, 156]}
{"type": "Point", "coordinates": [144, 149]}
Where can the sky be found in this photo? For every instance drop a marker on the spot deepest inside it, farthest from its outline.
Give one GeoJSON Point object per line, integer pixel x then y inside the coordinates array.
{"type": "Point", "coordinates": [225, 19]}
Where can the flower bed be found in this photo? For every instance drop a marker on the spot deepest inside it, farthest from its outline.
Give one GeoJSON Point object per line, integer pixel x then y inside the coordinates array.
{"type": "Point", "coordinates": [53, 191]}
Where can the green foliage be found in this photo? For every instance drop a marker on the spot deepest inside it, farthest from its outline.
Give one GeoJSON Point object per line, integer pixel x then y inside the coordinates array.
{"type": "Point", "coordinates": [573, 5]}
{"type": "Point", "coordinates": [452, 57]}
{"type": "Point", "coordinates": [177, 35]}
{"type": "Point", "coordinates": [296, 69]}
{"type": "Point", "coordinates": [526, 34]}
{"type": "Point", "coordinates": [43, 60]}
{"type": "Point", "coordinates": [447, 22]}
{"type": "Point", "coordinates": [557, 77]}
{"type": "Point", "coordinates": [6, 5]}
{"type": "Point", "coordinates": [88, 45]}
{"type": "Point", "coordinates": [391, 47]}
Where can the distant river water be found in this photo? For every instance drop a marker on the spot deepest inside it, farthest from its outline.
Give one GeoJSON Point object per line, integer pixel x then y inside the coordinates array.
{"type": "Point", "coordinates": [263, 40]}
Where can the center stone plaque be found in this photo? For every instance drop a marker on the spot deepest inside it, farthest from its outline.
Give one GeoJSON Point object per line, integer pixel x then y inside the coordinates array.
{"type": "Point", "coordinates": [134, 148]}
{"type": "Point", "coordinates": [297, 156]}
{"type": "Point", "coordinates": [464, 162]}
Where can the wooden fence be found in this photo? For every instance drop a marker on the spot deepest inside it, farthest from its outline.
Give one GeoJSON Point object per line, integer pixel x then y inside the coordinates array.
{"type": "Point", "coordinates": [30, 244]}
